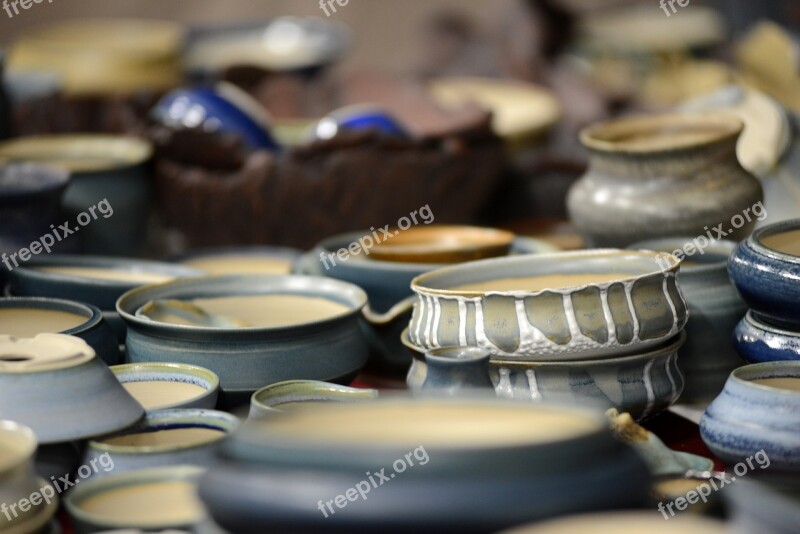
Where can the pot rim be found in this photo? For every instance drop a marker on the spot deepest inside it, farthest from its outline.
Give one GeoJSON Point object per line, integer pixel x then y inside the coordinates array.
{"type": "Point", "coordinates": [754, 320]}
{"type": "Point", "coordinates": [270, 397]}
{"type": "Point", "coordinates": [600, 137]}
{"type": "Point", "coordinates": [758, 371]}
{"type": "Point", "coordinates": [94, 317]}
{"type": "Point", "coordinates": [135, 370]}
{"type": "Point", "coordinates": [755, 240]}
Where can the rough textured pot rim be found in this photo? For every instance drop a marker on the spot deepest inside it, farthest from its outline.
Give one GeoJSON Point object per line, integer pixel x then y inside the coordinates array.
{"type": "Point", "coordinates": [181, 418]}
{"type": "Point", "coordinates": [94, 318]}
{"type": "Point", "coordinates": [57, 178]}
{"type": "Point", "coordinates": [29, 271]}
{"type": "Point", "coordinates": [179, 473]}
{"type": "Point", "coordinates": [128, 151]}
{"type": "Point", "coordinates": [594, 136]}
{"type": "Point", "coordinates": [721, 248]}
{"type": "Point", "coordinates": [550, 260]}
{"type": "Point", "coordinates": [128, 372]}
{"type": "Point", "coordinates": [281, 285]}
{"type": "Point", "coordinates": [26, 439]}
{"type": "Point", "coordinates": [756, 321]}
{"type": "Point", "coordinates": [269, 398]}
{"type": "Point", "coordinates": [755, 240]}
{"type": "Point", "coordinates": [745, 375]}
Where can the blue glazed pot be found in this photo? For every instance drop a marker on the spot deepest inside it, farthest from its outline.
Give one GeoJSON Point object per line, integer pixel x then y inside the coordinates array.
{"type": "Point", "coordinates": [767, 505]}
{"type": "Point", "coordinates": [758, 341]}
{"type": "Point", "coordinates": [766, 277]}
{"type": "Point", "coordinates": [332, 349]}
{"type": "Point", "coordinates": [749, 417]}
{"type": "Point", "coordinates": [95, 331]}
{"type": "Point", "coordinates": [360, 118]}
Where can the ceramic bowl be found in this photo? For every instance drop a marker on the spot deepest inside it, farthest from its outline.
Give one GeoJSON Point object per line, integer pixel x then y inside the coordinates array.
{"type": "Point", "coordinates": [147, 499]}
{"type": "Point", "coordinates": [443, 244]}
{"type": "Point", "coordinates": [223, 108]}
{"type": "Point", "coordinates": [708, 356]}
{"type": "Point", "coordinates": [459, 465]}
{"type": "Point", "coordinates": [97, 280]}
{"type": "Point", "coordinates": [161, 386]}
{"type": "Point", "coordinates": [163, 438]}
{"type": "Point", "coordinates": [550, 307]}
{"type": "Point", "coordinates": [624, 523]}
{"type": "Point", "coordinates": [282, 395]}
{"type": "Point", "coordinates": [754, 413]}
{"type": "Point", "coordinates": [18, 481]}
{"type": "Point", "coordinates": [643, 383]}
{"type": "Point", "coordinates": [765, 269]}
{"type": "Point", "coordinates": [30, 196]}
{"type": "Point", "coordinates": [57, 386]}
{"type": "Point", "coordinates": [29, 316]}
{"type": "Point", "coordinates": [359, 118]}
{"type": "Point", "coordinates": [768, 504]}
{"type": "Point", "coordinates": [108, 174]}
{"type": "Point", "coordinates": [265, 354]}
{"type": "Point", "coordinates": [758, 341]}
{"type": "Point", "coordinates": [241, 260]}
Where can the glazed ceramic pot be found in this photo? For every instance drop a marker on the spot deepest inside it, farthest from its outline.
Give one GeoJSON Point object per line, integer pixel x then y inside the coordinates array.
{"type": "Point", "coordinates": [30, 316]}
{"type": "Point", "coordinates": [662, 176]}
{"type": "Point", "coordinates": [708, 356]}
{"type": "Point", "coordinates": [456, 371]}
{"type": "Point", "coordinates": [642, 384]}
{"type": "Point", "coordinates": [271, 352]}
{"type": "Point", "coordinates": [163, 438]}
{"type": "Point", "coordinates": [359, 118]}
{"type": "Point", "coordinates": [148, 499]}
{"type": "Point", "coordinates": [161, 386]}
{"type": "Point", "coordinates": [241, 260]}
{"type": "Point", "coordinates": [759, 410]}
{"type": "Point", "coordinates": [455, 465]}
{"type": "Point", "coordinates": [96, 280]}
{"type": "Point", "coordinates": [18, 481]}
{"type": "Point", "coordinates": [44, 384]}
{"type": "Point", "coordinates": [30, 196]}
{"type": "Point", "coordinates": [625, 523]}
{"type": "Point", "coordinates": [765, 268]}
{"type": "Point", "coordinates": [550, 307]}
{"type": "Point", "coordinates": [108, 175]}
{"type": "Point", "coordinates": [282, 395]}
{"type": "Point", "coordinates": [758, 341]}
{"type": "Point", "coordinates": [443, 244]}
{"type": "Point", "coordinates": [768, 504]}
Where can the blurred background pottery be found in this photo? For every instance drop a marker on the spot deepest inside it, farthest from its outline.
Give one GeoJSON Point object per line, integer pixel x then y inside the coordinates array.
{"type": "Point", "coordinates": [5, 101]}
{"type": "Point", "coordinates": [315, 332]}
{"type": "Point", "coordinates": [148, 499]}
{"type": "Point", "coordinates": [107, 172]}
{"type": "Point", "coordinates": [659, 176]}
{"type": "Point", "coordinates": [30, 316]}
{"type": "Point", "coordinates": [765, 269]}
{"type": "Point", "coordinates": [624, 522]}
{"type": "Point", "coordinates": [759, 409]}
{"type": "Point", "coordinates": [534, 452]}
{"type": "Point", "coordinates": [457, 371]}
{"type": "Point", "coordinates": [163, 438]}
{"type": "Point", "coordinates": [291, 393]}
{"type": "Point", "coordinates": [767, 504]}
{"type": "Point", "coordinates": [241, 260]}
{"type": "Point", "coordinates": [359, 118]}
{"type": "Point", "coordinates": [560, 306]}
{"type": "Point", "coordinates": [443, 244]}
{"type": "Point", "coordinates": [161, 385]}
{"type": "Point", "coordinates": [708, 356]}
{"type": "Point", "coordinates": [759, 342]}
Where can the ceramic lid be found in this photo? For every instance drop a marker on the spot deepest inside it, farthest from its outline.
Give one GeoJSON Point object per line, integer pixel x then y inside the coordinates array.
{"type": "Point", "coordinates": [45, 352]}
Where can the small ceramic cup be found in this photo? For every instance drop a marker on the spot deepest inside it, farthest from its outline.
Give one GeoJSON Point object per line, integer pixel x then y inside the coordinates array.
{"type": "Point", "coordinates": [162, 386]}
{"type": "Point", "coordinates": [454, 371]}
{"type": "Point", "coordinates": [277, 397]}
{"type": "Point", "coordinates": [758, 341]}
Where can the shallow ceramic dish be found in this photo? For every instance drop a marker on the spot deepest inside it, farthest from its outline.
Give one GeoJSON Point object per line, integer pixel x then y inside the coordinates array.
{"type": "Point", "coordinates": [164, 438]}
{"type": "Point", "coordinates": [561, 306]}
{"type": "Point", "coordinates": [465, 465]}
{"type": "Point", "coordinates": [18, 481]}
{"type": "Point", "coordinates": [148, 499]}
{"type": "Point", "coordinates": [108, 173]}
{"type": "Point", "coordinates": [758, 341]}
{"type": "Point", "coordinates": [64, 317]}
{"type": "Point", "coordinates": [643, 383]}
{"type": "Point", "coordinates": [241, 260]}
{"type": "Point", "coordinates": [443, 244]}
{"type": "Point", "coordinates": [768, 505]}
{"type": "Point", "coordinates": [765, 269]}
{"type": "Point", "coordinates": [750, 416]}
{"type": "Point", "coordinates": [44, 385]}
{"type": "Point", "coordinates": [624, 523]}
{"type": "Point", "coordinates": [708, 356]}
{"type": "Point", "coordinates": [277, 397]}
{"type": "Point", "coordinates": [331, 348]}
{"type": "Point", "coordinates": [161, 386]}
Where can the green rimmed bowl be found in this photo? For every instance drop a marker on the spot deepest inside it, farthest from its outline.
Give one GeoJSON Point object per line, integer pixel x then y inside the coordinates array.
{"type": "Point", "coordinates": [277, 397]}
{"type": "Point", "coordinates": [202, 390]}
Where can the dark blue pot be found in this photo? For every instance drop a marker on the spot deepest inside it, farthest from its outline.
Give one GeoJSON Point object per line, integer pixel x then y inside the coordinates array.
{"type": "Point", "coordinates": [758, 341]}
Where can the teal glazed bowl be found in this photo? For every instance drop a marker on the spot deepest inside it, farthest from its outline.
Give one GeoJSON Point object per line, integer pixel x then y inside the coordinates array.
{"type": "Point", "coordinates": [89, 323]}
{"type": "Point", "coordinates": [249, 358]}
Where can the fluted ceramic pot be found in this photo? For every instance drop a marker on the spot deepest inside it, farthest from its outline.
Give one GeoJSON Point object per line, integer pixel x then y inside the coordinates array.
{"type": "Point", "coordinates": [661, 176]}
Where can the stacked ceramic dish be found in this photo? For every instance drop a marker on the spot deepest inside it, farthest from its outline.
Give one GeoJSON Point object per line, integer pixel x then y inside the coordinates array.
{"type": "Point", "coordinates": [600, 327]}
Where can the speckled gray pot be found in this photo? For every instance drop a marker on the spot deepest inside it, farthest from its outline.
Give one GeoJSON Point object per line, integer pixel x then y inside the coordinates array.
{"type": "Point", "coordinates": [573, 323]}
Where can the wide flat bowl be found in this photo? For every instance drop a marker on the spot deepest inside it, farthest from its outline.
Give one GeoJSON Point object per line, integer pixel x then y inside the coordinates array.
{"type": "Point", "coordinates": [758, 341]}
{"type": "Point", "coordinates": [466, 465]}
{"type": "Point", "coordinates": [443, 244]}
{"type": "Point", "coordinates": [749, 417]}
{"type": "Point", "coordinates": [640, 307]}
{"type": "Point", "coordinates": [167, 373]}
{"type": "Point", "coordinates": [643, 383]}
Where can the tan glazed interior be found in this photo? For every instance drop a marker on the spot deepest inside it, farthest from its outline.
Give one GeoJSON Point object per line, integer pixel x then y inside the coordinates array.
{"type": "Point", "coordinates": [790, 383]}
{"type": "Point", "coordinates": [115, 275]}
{"type": "Point", "coordinates": [154, 393]}
{"type": "Point", "coordinates": [27, 322]}
{"type": "Point", "coordinates": [240, 264]}
{"type": "Point", "coordinates": [784, 242]}
{"type": "Point", "coordinates": [155, 503]}
{"type": "Point", "coordinates": [166, 438]}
